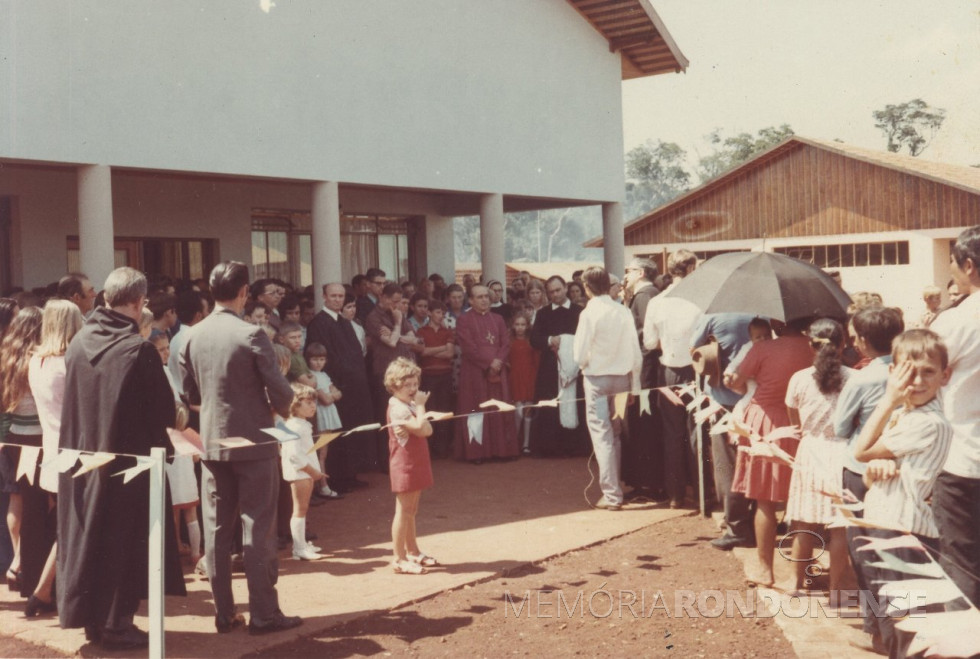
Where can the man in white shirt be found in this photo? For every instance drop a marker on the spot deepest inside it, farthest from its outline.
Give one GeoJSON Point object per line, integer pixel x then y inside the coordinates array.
{"type": "Point", "coordinates": [669, 325]}
{"type": "Point", "coordinates": [607, 350]}
{"type": "Point", "coordinates": [956, 495]}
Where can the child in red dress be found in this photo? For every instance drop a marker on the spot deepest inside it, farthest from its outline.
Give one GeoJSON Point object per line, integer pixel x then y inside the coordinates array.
{"type": "Point", "coordinates": [523, 374]}
{"type": "Point", "coordinates": [409, 466]}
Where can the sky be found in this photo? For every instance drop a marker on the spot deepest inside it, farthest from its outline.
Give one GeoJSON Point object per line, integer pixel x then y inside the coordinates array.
{"type": "Point", "coordinates": [821, 66]}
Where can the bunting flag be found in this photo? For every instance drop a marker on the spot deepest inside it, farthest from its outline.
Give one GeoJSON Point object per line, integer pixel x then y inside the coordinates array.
{"type": "Point", "coordinates": [499, 404]}
{"type": "Point", "coordinates": [698, 401]}
{"type": "Point", "coordinates": [67, 458]}
{"type": "Point", "coordinates": [888, 561]}
{"type": "Point", "coordinates": [619, 405]}
{"type": "Point", "coordinates": [323, 440]}
{"type": "Point", "coordinates": [848, 518]}
{"type": "Point", "coordinates": [142, 464]}
{"type": "Point", "coordinates": [281, 434]}
{"type": "Point", "coordinates": [686, 390]}
{"type": "Point", "coordinates": [27, 463]}
{"type": "Point", "coordinates": [955, 632]}
{"type": "Point", "coordinates": [364, 428]}
{"type": "Point", "coordinates": [884, 544]}
{"type": "Point", "coordinates": [784, 432]}
{"type": "Point", "coordinates": [669, 394]}
{"type": "Point", "coordinates": [553, 402]}
{"type": "Point", "coordinates": [437, 416]}
{"type": "Point", "coordinates": [91, 462]}
{"type": "Point", "coordinates": [235, 442]}
{"type": "Point", "coordinates": [721, 425]}
{"type": "Point", "coordinates": [736, 427]}
{"type": "Point", "coordinates": [644, 398]}
{"type": "Point", "coordinates": [186, 441]}
{"type": "Point", "coordinates": [703, 415]}
{"type": "Point", "coordinates": [474, 428]}
{"type": "Point", "coordinates": [902, 595]}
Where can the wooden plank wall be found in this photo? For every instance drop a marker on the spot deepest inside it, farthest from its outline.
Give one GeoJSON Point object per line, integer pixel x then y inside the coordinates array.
{"type": "Point", "coordinates": [811, 192]}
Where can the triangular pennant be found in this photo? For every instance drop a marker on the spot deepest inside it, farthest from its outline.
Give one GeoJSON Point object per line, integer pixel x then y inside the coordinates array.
{"type": "Point", "coordinates": [67, 458]}
{"type": "Point", "coordinates": [235, 442]}
{"type": "Point", "coordinates": [619, 405]}
{"type": "Point", "coordinates": [848, 518]}
{"type": "Point", "coordinates": [186, 441]}
{"type": "Point", "coordinates": [784, 432]}
{"type": "Point", "coordinates": [669, 394]}
{"type": "Point", "coordinates": [908, 593]}
{"type": "Point", "coordinates": [474, 427]}
{"type": "Point", "coordinates": [644, 398]}
{"type": "Point", "coordinates": [499, 404]}
{"type": "Point", "coordinates": [697, 402]}
{"type": "Point", "coordinates": [686, 390]}
{"type": "Point", "coordinates": [553, 402]}
{"type": "Point", "coordinates": [703, 415]}
{"type": "Point", "coordinates": [27, 464]}
{"type": "Point", "coordinates": [437, 416]}
{"type": "Point", "coordinates": [364, 428]}
{"type": "Point", "coordinates": [142, 464]}
{"type": "Point", "coordinates": [91, 462]}
{"type": "Point", "coordinates": [323, 440]}
{"type": "Point", "coordinates": [891, 562]}
{"type": "Point", "coordinates": [721, 425]}
{"type": "Point", "coordinates": [884, 544]}
{"type": "Point", "coordinates": [281, 434]}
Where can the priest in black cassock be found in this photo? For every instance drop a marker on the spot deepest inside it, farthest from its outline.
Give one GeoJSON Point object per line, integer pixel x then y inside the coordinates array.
{"type": "Point", "coordinates": [548, 437]}
{"type": "Point", "coordinates": [117, 399]}
{"type": "Point", "coordinates": [346, 367]}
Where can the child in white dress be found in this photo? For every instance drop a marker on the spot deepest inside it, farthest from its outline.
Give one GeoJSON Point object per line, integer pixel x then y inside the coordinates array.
{"type": "Point", "coordinates": [301, 468]}
{"type": "Point", "coordinates": [327, 417]}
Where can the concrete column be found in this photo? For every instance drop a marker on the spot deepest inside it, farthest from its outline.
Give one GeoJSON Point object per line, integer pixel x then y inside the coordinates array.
{"type": "Point", "coordinates": [96, 248]}
{"type": "Point", "coordinates": [325, 217]}
{"type": "Point", "coordinates": [492, 237]}
{"type": "Point", "coordinates": [440, 246]}
{"type": "Point", "coordinates": [613, 238]}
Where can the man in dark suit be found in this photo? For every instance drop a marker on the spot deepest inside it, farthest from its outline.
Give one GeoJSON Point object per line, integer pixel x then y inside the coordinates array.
{"type": "Point", "coordinates": [348, 371]}
{"type": "Point", "coordinates": [548, 437]}
{"type": "Point", "coordinates": [230, 368]}
{"type": "Point", "coordinates": [375, 280]}
{"type": "Point", "coordinates": [642, 449]}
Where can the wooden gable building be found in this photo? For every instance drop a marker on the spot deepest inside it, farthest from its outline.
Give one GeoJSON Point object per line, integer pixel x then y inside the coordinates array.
{"type": "Point", "coordinates": [884, 220]}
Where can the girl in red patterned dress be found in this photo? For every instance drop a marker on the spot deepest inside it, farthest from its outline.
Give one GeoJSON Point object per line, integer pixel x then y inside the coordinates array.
{"type": "Point", "coordinates": [409, 466]}
{"type": "Point", "coordinates": [523, 374]}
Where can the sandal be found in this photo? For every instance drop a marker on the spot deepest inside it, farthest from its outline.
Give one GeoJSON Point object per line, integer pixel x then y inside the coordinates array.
{"type": "Point", "coordinates": [423, 559]}
{"type": "Point", "coordinates": [408, 567]}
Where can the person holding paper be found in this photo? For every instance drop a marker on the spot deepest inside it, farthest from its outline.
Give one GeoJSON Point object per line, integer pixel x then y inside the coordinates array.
{"type": "Point", "coordinates": [231, 369]}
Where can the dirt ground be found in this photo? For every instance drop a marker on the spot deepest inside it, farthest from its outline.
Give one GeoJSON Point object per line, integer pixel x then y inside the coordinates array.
{"type": "Point", "coordinates": [526, 612]}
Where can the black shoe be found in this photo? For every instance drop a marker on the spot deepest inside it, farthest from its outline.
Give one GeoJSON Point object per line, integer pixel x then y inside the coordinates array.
{"type": "Point", "coordinates": [728, 542]}
{"type": "Point", "coordinates": [36, 606]}
{"type": "Point", "coordinates": [225, 625]}
{"type": "Point", "coordinates": [277, 623]}
{"type": "Point", "coordinates": [93, 634]}
{"type": "Point", "coordinates": [124, 639]}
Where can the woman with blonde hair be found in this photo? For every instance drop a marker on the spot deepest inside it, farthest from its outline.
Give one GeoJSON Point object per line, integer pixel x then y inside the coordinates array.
{"type": "Point", "coordinates": [60, 322]}
{"type": "Point", "coordinates": [16, 401]}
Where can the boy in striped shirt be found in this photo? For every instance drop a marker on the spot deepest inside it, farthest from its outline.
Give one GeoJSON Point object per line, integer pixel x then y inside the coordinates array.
{"type": "Point", "coordinates": [905, 441]}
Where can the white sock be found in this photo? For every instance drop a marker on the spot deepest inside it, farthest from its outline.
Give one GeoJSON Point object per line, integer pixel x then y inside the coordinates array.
{"type": "Point", "coordinates": [194, 536]}
{"type": "Point", "coordinates": [298, 527]}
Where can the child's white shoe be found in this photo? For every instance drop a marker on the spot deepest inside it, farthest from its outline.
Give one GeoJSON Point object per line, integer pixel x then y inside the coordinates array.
{"type": "Point", "coordinates": [326, 493]}
{"type": "Point", "coordinates": [306, 554]}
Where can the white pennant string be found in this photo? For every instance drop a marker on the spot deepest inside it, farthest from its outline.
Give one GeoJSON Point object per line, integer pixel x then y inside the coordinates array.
{"type": "Point", "coordinates": [281, 434]}
{"type": "Point", "coordinates": [364, 428]}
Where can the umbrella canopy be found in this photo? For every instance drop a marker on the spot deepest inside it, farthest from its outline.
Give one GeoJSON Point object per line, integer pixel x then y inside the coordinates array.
{"type": "Point", "coordinates": [769, 285]}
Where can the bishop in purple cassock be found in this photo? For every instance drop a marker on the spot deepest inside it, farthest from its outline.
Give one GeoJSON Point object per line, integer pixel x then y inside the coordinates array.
{"type": "Point", "coordinates": [485, 345]}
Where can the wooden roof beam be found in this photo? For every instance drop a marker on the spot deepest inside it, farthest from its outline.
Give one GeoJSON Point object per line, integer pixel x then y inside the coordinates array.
{"type": "Point", "coordinates": [619, 43]}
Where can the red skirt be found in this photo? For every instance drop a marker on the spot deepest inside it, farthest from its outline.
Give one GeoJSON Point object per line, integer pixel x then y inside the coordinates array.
{"type": "Point", "coordinates": [409, 466]}
{"type": "Point", "coordinates": [759, 479]}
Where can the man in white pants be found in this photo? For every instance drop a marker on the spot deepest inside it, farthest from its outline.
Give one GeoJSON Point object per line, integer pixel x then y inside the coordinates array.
{"type": "Point", "coordinates": [607, 349]}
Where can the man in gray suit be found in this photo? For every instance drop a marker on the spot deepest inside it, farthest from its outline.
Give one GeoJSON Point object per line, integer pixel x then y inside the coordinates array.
{"type": "Point", "coordinates": [230, 368]}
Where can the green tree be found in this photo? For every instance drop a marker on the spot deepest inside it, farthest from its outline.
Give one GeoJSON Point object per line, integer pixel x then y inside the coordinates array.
{"type": "Point", "coordinates": [729, 152]}
{"type": "Point", "coordinates": [655, 174]}
{"type": "Point", "coordinates": [912, 124]}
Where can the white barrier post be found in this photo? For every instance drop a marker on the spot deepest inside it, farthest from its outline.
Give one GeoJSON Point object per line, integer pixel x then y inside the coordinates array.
{"type": "Point", "coordinates": [158, 497]}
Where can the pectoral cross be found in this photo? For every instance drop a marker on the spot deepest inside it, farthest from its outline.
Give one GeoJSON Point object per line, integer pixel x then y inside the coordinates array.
{"type": "Point", "coordinates": [490, 338]}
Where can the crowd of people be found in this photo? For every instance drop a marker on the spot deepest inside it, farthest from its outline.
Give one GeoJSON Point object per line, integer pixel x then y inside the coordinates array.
{"type": "Point", "coordinates": [880, 414]}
